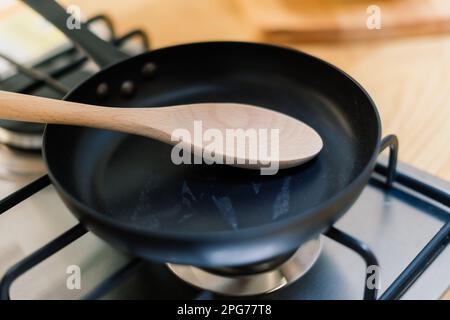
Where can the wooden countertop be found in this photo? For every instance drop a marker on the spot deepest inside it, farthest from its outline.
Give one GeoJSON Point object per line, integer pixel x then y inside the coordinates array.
{"type": "Point", "coordinates": [409, 78]}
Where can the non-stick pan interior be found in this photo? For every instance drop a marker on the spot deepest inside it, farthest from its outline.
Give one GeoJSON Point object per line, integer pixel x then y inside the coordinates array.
{"type": "Point", "coordinates": [132, 179]}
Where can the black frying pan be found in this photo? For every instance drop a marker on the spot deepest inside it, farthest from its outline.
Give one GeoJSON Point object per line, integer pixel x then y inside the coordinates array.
{"type": "Point", "coordinates": [126, 190]}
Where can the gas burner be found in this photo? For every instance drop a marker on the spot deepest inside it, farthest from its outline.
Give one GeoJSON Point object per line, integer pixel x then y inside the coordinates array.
{"type": "Point", "coordinates": [230, 283]}
{"type": "Point", "coordinates": [52, 77]}
{"type": "Point", "coordinates": [16, 164]}
{"type": "Point", "coordinates": [31, 140]}
{"type": "Point", "coordinates": [24, 135]}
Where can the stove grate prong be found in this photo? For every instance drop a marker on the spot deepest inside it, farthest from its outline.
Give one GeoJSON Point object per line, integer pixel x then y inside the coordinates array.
{"type": "Point", "coordinates": [391, 142]}
{"type": "Point", "coordinates": [23, 193]}
{"type": "Point", "coordinates": [37, 257]}
{"type": "Point", "coordinates": [364, 251]}
{"type": "Point", "coordinates": [420, 263]}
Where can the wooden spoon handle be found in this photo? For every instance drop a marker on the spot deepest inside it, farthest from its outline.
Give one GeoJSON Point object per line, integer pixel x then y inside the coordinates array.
{"type": "Point", "coordinates": [150, 122]}
{"type": "Point", "coordinates": [22, 107]}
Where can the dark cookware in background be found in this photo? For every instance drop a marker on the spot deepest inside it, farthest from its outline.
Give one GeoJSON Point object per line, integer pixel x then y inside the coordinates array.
{"type": "Point", "coordinates": [126, 190]}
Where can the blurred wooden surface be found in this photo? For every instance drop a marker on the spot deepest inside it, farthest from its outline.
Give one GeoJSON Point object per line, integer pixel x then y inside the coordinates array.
{"type": "Point", "coordinates": [409, 78]}
{"type": "Point", "coordinates": [334, 20]}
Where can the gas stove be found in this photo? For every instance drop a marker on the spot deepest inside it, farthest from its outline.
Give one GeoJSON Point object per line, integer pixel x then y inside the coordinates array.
{"type": "Point", "coordinates": [398, 233]}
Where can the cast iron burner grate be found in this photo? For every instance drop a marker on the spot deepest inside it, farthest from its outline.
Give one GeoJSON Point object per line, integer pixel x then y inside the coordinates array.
{"type": "Point", "coordinates": [393, 179]}
{"type": "Point", "coordinates": [20, 142]}
{"type": "Point", "coordinates": [53, 77]}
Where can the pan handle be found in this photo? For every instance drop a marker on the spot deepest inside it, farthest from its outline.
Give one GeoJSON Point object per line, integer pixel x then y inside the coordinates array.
{"type": "Point", "coordinates": [391, 142]}
{"type": "Point", "coordinates": [103, 53]}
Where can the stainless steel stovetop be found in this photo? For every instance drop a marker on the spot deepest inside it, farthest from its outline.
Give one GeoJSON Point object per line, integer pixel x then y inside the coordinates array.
{"type": "Point", "coordinates": [42, 246]}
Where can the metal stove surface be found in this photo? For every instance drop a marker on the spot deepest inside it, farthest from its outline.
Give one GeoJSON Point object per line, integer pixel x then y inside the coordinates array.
{"type": "Point", "coordinates": [395, 223]}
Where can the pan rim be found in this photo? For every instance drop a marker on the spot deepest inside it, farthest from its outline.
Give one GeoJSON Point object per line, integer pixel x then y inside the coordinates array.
{"type": "Point", "coordinates": [223, 235]}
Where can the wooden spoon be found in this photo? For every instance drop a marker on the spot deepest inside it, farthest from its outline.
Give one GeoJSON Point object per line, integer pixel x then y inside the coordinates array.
{"type": "Point", "coordinates": [297, 141]}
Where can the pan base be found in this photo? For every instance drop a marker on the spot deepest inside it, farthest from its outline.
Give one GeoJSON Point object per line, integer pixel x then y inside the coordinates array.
{"type": "Point", "coordinates": [253, 284]}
